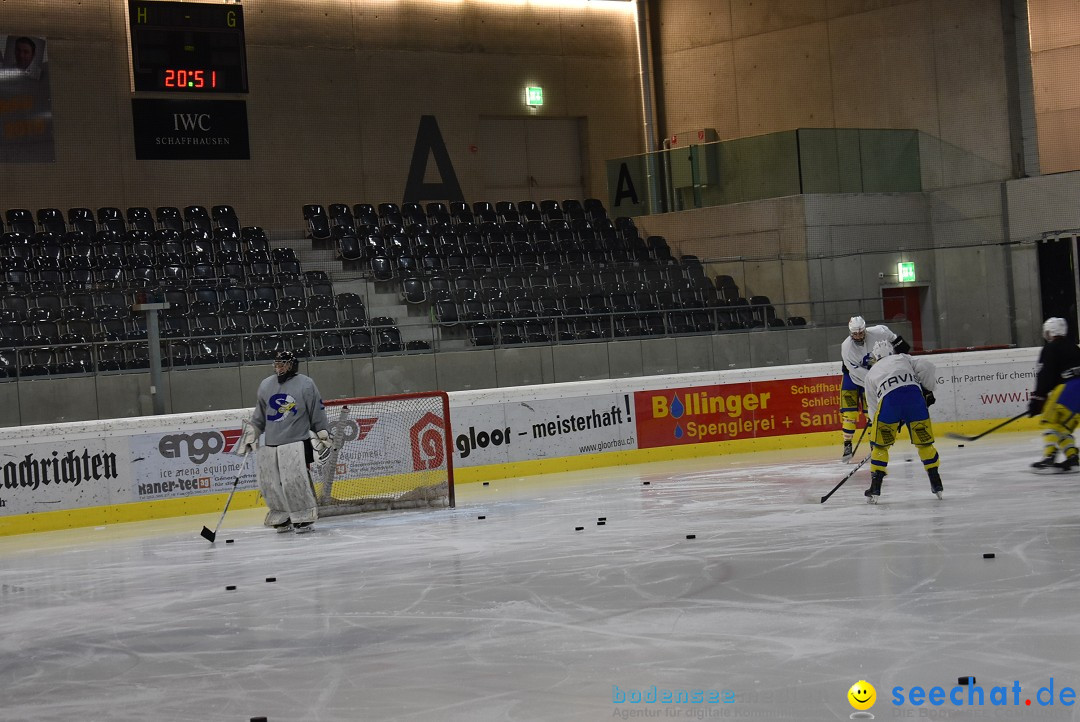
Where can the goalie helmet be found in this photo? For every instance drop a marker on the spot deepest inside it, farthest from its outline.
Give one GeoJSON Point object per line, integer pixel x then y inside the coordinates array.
{"type": "Point", "coordinates": [881, 350]}
{"type": "Point", "coordinates": [1054, 327]}
{"type": "Point", "coordinates": [288, 368]}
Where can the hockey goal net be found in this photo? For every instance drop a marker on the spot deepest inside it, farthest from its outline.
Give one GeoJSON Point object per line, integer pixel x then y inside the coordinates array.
{"type": "Point", "coordinates": [388, 452]}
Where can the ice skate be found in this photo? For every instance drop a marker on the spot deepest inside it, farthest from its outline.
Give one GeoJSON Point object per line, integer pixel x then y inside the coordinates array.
{"type": "Point", "coordinates": [848, 453]}
{"type": "Point", "coordinates": [304, 527]}
{"type": "Point", "coordinates": [283, 527]}
{"type": "Point", "coordinates": [1071, 463]}
{"type": "Point", "coordinates": [935, 482]}
{"type": "Point", "coordinates": [1044, 466]}
{"type": "Point", "coordinates": [874, 491]}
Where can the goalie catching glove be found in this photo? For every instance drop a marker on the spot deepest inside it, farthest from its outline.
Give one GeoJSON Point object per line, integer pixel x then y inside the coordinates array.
{"type": "Point", "coordinates": [321, 443]}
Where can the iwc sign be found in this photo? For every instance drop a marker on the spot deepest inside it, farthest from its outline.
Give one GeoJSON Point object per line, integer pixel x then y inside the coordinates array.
{"type": "Point", "coordinates": [190, 129]}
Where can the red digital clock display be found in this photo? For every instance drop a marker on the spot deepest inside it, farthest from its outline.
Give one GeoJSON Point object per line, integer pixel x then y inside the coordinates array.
{"type": "Point", "coordinates": [187, 79]}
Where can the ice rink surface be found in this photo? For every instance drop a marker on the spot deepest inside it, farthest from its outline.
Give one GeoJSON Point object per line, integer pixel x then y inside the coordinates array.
{"type": "Point", "coordinates": [776, 608]}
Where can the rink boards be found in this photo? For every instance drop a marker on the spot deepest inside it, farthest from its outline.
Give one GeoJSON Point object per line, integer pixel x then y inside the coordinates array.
{"type": "Point", "coordinates": [97, 472]}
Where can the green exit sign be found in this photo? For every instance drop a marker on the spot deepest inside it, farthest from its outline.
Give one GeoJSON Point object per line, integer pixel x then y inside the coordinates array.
{"type": "Point", "coordinates": [534, 95]}
{"type": "Point", "coordinates": [905, 271]}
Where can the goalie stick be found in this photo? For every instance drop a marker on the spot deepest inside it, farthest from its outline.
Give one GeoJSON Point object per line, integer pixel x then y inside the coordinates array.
{"type": "Point", "coordinates": [212, 535]}
{"type": "Point", "coordinates": [327, 466]}
{"type": "Point", "coordinates": [849, 475]}
{"type": "Point", "coordinates": [1019, 416]}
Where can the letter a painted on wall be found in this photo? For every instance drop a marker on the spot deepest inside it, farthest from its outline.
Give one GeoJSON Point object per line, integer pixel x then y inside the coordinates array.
{"type": "Point", "coordinates": [625, 187]}
{"type": "Point", "coordinates": [429, 142]}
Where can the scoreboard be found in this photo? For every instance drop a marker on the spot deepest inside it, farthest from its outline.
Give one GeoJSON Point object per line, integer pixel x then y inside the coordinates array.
{"type": "Point", "coordinates": [187, 47]}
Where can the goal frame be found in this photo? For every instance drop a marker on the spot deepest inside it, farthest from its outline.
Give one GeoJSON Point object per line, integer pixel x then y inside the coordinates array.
{"type": "Point", "coordinates": [335, 420]}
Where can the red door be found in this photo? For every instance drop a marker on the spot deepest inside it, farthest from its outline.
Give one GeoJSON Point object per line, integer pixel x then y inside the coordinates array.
{"type": "Point", "coordinates": [902, 304]}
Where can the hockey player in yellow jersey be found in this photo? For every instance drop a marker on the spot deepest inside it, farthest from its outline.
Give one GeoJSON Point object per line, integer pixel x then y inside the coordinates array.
{"type": "Point", "coordinates": [855, 359]}
{"type": "Point", "coordinates": [1057, 397]}
{"type": "Point", "coordinates": [900, 390]}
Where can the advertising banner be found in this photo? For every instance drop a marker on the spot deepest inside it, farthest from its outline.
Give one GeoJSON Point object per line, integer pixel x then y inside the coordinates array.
{"type": "Point", "coordinates": [190, 129]}
{"type": "Point", "coordinates": [701, 414]}
{"type": "Point", "coordinates": [26, 122]}
{"type": "Point", "coordinates": [498, 433]}
{"type": "Point", "coordinates": [63, 474]}
{"type": "Point", "coordinates": [178, 464]}
{"type": "Point", "coordinates": [372, 444]}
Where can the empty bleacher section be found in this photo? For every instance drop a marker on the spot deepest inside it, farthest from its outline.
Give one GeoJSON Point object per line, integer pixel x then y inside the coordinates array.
{"type": "Point", "coordinates": [68, 287]}
{"type": "Point", "coordinates": [508, 274]}
{"type": "Point", "coordinates": [486, 274]}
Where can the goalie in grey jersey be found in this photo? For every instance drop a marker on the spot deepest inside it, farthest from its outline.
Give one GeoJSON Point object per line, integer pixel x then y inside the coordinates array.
{"type": "Point", "coordinates": [290, 411]}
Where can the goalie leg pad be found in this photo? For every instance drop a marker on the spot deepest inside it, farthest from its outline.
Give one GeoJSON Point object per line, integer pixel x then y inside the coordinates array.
{"type": "Point", "coordinates": [270, 486]}
{"type": "Point", "coordinates": [296, 484]}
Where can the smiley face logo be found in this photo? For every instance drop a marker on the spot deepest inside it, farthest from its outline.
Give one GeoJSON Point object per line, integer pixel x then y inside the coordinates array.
{"type": "Point", "coordinates": [862, 695]}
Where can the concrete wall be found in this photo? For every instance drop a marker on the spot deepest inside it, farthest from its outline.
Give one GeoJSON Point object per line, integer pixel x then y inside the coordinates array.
{"type": "Point", "coordinates": [1055, 53]}
{"type": "Point", "coordinates": [121, 395]}
{"type": "Point", "coordinates": [337, 89]}
{"type": "Point", "coordinates": [746, 67]}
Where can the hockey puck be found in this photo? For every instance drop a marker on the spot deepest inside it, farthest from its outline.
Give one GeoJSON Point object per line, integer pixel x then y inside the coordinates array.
{"type": "Point", "coordinates": [959, 446]}
{"type": "Point", "coordinates": [258, 719]}
{"type": "Point", "coordinates": [989, 555]}
{"type": "Point", "coordinates": [644, 483]}
{"type": "Point", "coordinates": [481, 517]}
{"type": "Point", "coordinates": [271, 579]}
{"type": "Point", "coordinates": [601, 518]}
{"type": "Point", "coordinates": [579, 528]}
{"type": "Point", "coordinates": [230, 588]}
{"type": "Point", "coordinates": [228, 541]}
{"type": "Point", "coordinates": [601, 523]}
{"type": "Point", "coordinates": [965, 680]}
{"type": "Point", "coordinates": [691, 536]}
{"type": "Point", "coordinates": [486, 483]}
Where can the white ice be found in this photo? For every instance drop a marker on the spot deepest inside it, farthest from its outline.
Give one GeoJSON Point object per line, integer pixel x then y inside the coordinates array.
{"type": "Point", "coordinates": [438, 615]}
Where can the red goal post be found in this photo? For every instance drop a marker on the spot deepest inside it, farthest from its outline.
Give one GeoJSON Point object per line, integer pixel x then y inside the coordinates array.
{"type": "Point", "coordinates": [388, 452]}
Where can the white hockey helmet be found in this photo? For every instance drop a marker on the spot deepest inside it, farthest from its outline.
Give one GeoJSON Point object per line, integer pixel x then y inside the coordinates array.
{"type": "Point", "coordinates": [1054, 327]}
{"type": "Point", "coordinates": [857, 325]}
{"type": "Point", "coordinates": [881, 349]}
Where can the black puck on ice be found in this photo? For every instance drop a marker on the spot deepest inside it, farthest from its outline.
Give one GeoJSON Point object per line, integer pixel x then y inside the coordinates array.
{"type": "Point", "coordinates": [486, 483]}
{"type": "Point", "coordinates": [644, 483]}
{"type": "Point", "coordinates": [988, 555]}
{"type": "Point", "coordinates": [258, 719]}
{"type": "Point", "coordinates": [601, 523]}
{"type": "Point", "coordinates": [271, 579]}
{"type": "Point", "coordinates": [691, 536]}
{"type": "Point", "coordinates": [965, 680]}
{"type": "Point", "coordinates": [228, 541]}
{"type": "Point", "coordinates": [959, 446]}
{"type": "Point", "coordinates": [481, 517]}
{"type": "Point", "coordinates": [601, 518]}
{"type": "Point", "coordinates": [230, 588]}
{"type": "Point", "coordinates": [579, 528]}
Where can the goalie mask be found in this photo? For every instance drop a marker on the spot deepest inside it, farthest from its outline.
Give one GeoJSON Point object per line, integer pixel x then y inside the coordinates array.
{"type": "Point", "coordinates": [881, 350]}
{"type": "Point", "coordinates": [1054, 327]}
{"type": "Point", "coordinates": [857, 328]}
{"type": "Point", "coordinates": [284, 366]}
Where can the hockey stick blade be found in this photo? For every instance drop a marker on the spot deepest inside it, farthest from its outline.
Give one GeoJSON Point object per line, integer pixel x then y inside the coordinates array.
{"type": "Point", "coordinates": [961, 437]}
{"type": "Point", "coordinates": [211, 536]}
{"type": "Point", "coordinates": [849, 475]}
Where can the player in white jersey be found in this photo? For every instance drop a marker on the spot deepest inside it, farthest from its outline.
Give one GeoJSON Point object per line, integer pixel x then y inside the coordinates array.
{"type": "Point", "coordinates": [855, 356]}
{"type": "Point", "coordinates": [290, 410]}
{"type": "Point", "coordinates": [900, 390]}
